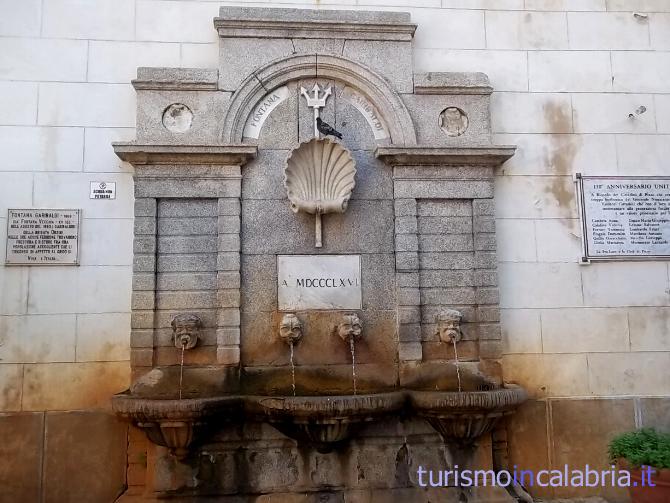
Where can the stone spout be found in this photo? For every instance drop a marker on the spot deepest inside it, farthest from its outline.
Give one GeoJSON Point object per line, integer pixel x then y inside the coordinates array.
{"type": "Point", "coordinates": [350, 328]}
{"type": "Point", "coordinates": [290, 329]}
{"type": "Point", "coordinates": [186, 330]}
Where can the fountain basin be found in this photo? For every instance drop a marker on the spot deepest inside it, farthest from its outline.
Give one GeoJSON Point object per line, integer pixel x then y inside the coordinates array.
{"type": "Point", "coordinates": [463, 417]}
{"type": "Point", "coordinates": [322, 421]}
{"type": "Point", "coordinates": [176, 423]}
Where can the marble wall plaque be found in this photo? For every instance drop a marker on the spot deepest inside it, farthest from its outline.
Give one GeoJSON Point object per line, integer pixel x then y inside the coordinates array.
{"type": "Point", "coordinates": [319, 282]}
{"type": "Point", "coordinates": [625, 217]}
{"type": "Point", "coordinates": [43, 237]}
{"type": "Point", "coordinates": [263, 110]}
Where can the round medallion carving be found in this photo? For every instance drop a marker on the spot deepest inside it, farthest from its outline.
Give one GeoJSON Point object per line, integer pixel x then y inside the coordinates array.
{"type": "Point", "coordinates": [453, 121]}
{"type": "Point", "coordinates": [177, 118]}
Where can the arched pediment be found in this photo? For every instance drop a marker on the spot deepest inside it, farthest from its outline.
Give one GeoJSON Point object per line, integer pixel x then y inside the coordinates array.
{"type": "Point", "coordinates": [359, 80]}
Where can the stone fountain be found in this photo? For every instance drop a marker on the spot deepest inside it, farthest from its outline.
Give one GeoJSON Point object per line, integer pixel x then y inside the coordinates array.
{"type": "Point", "coordinates": [315, 303]}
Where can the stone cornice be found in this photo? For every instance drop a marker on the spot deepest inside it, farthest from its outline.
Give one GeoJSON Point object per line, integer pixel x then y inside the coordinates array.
{"type": "Point", "coordinates": [467, 155]}
{"type": "Point", "coordinates": [451, 83]}
{"type": "Point", "coordinates": [299, 23]}
{"type": "Point", "coordinates": [231, 155]}
{"type": "Point", "coordinates": [176, 79]}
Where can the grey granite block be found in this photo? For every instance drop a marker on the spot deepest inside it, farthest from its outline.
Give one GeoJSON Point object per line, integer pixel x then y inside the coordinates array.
{"type": "Point", "coordinates": [409, 332]}
{"type": "Point", "coordinates": [182, 208]}
{"type": "Point", "coordinates": [141, 338]}
{"type": "Point", "coordinates": [187, 226]}
{"type": "Point", "coordinates": [186, 281]}
{"type": "Point", "coordinates": [144, 281]}
{"type": "Point", "coordinates": [182, 243]}
{"type": "Point", "coordinates": [208, 188]}
{"type": "Point", "coordinates": [409, 315]}
{"type": "Point", "coordinates": [228, 279]}
{"type": "Point", "coordinates": [144, 263]}
{"type": "Point", "coordinates": [406, 242]}
{"type": "Point", "coordinates": [409, 296]}
{"type": "Point", "coordinates": [228, 318]}
{"type": "Point", "coordinates": [144, 244]}
{"type": "Point", "coordinates": [263, 178]}
{"type": "Point", "coordinates": [410, 351]}
{"type": "Point", "coordinates": [145, 207]}
{"type": "Point", "coordinates": [407, 261]}
{"type": "Point", "coordinates": [405, 207]}
{"type": "Point", "coordinates": [406, 225]}
{"type": "Point", "coordinates": [447, 278]}
{"type": "Point", "coordinates": [448, 189]}
{"type": "Point", "coordinates": [186, 300]}
{"type": "Point", "coordinates": [228, 261]}
{"type": "Point", "coordinates": [229, 336]}
{"type": "Point", "coordinates": [485, 260]}
{"type": "Point", "coordinates": [445, 225]}
{"type": "Point", "coordinates": [229, 298]}
{"type": "Point", "coordinates": [187, 263]}
{"type": "Point", "coordinates": [484, 224]}
{"type": "Point", "coordinates": [366, 227]}
{"type": "Point", "coordinates": [145, 225]}
{"type": "Point", "coordinates": [259, 280]}
{"type": "Point", "coordinates": [443, 208]}
{"type": "Point", "coordinates": [391, 59]}
{"type": "Point", "coordinates": [486, 278]}
{"type": "Point", "coordinates": [407, 279]}
{"type": "Point", "coordinates": [445, 243]}
{"type": "Point", "coordinates": [229, 243]}
{"type": "Point", "coordinates": [488, 296]}
{"type": "Point", "coordinates": [228, 224]}
{"type": "Point", "coordinates": [378, 281]}
{"type": "Point", "coordinates": [142, 319]}
{"type": "Point", "coordinates": [142, 300]}
{"type": "Point", "coordinates": [447, 296]}
{"type": "Point", "coordinates": [447, 260]}
{"type": "Point", "coordinates": [230, 205]}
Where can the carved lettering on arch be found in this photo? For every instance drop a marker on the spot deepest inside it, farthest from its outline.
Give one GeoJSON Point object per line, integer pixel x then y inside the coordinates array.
{"type": "Point", "coordinates": [263, 110]}
{"type": "Point", "coordinates": [368, 110]}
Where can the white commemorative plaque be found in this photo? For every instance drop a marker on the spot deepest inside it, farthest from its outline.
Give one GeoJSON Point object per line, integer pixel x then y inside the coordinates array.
{"type": "Point", "coordinates": [103, 190]}
{"type": "Point", "coordinates": [42, 237]}
{"type": "Point", "coordinates": [319, 282]}
{"type": "Point", "coordinates": [625, 217]}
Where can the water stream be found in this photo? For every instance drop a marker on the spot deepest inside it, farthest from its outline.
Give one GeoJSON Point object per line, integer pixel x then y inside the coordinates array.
{"type": "Point", "coordinates": [290, 343]}
{"type": "Point", "coordinates": [181, 369]}
{"type": "Point", "coordinates": [352, 345]}
{"type": "Point", "coordinates": [458, 370]}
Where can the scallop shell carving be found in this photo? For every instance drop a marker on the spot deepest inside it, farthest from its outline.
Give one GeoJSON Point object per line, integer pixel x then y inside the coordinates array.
{"type": "Point", "coordinates": [319, 177]}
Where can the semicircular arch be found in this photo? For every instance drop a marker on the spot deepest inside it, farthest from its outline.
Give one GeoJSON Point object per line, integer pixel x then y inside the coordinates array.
{"type": "Point", "coordinates": [280, 72]}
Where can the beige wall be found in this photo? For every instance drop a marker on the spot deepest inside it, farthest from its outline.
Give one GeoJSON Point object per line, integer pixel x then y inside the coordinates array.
{"type": "Point", "coordinates": [566, 75]}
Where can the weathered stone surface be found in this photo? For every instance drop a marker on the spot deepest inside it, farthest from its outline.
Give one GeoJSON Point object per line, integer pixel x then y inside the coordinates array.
{"type": "Point", "coordinates": [21, 456]}
{"type": "Point", "coordinates": [366, 227]}
{"type": "Point", "coordinates": [655, 413]}
{"type": "Point", "coordinates": [97, 460]}
{"type": "Point", "coordinates": [390, 59]}
{"type": "Point", "coordinates": [320, 345]}
{"type": "Point", "coordinates": [207, 107]}
{"type": "Point", "coordinates": [581, 431]}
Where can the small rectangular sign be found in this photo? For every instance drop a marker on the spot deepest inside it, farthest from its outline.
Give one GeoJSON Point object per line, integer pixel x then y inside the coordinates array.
{"type": "Point", "coordinates": [103, 190]}
{"type": "Point", "coordinates": [625, 217]}
{"type": "Point", "coordinates": [319, 282]}
{"type": "Point", "coordinates": [43, 237]}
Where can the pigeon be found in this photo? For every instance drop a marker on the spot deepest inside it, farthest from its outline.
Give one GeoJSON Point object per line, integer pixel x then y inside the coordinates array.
{"type": "Point", "coordinates": [327, 129]}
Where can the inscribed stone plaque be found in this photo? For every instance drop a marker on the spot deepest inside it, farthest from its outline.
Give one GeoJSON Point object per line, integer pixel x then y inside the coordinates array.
{"type": "Point", "coordinates": [625, 217]}
{"type": "Point", "coordinates": [43, 237]}
{"type": "Point", "coordinates": [103, 190]}
{"type": "Point", "coordinates": [319, 282]}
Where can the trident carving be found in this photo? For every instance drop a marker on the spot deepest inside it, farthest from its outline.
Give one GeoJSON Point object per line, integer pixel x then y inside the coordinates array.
{"type": "Point", "coordinates": [315, 102]}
